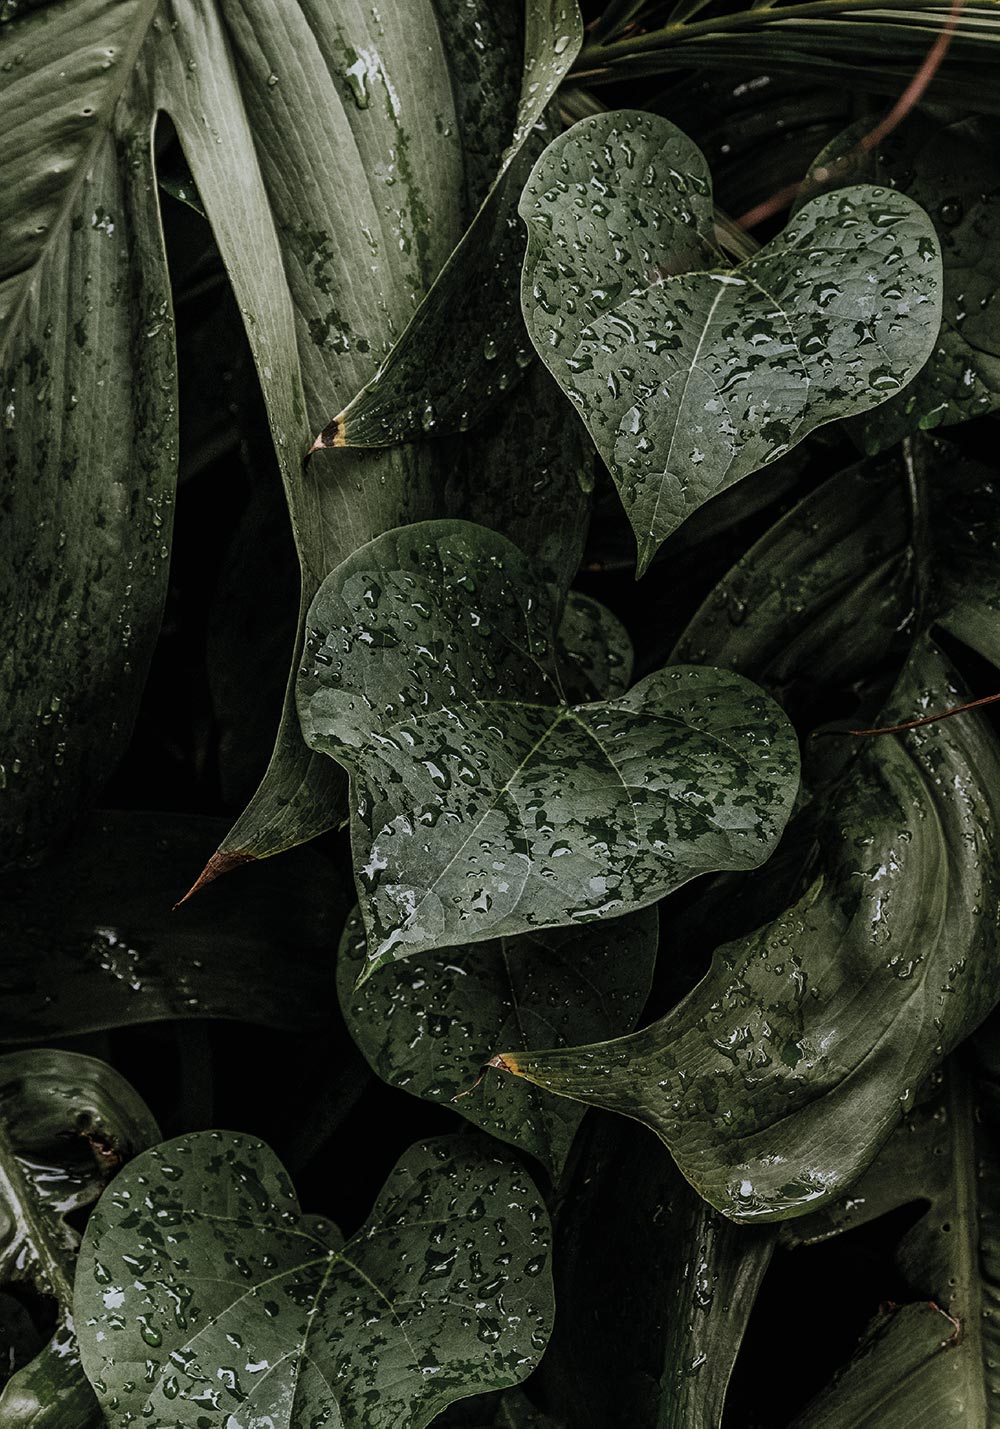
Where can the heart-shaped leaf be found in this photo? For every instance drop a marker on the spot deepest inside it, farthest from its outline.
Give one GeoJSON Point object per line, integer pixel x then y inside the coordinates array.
{"type": "Point", "coordinates": [777, 1079]}
{"type": "Point", "coordinates": [67, 1123]}
{"type": "Point", "coordinates": [690, 375]}
{"type": "Point", "coordinates": [431, 1030]}
{"type": "Point", "coordinates": [483, 805]}
{"type": "Point", "coordinates": [948, 166]}
{"type": "Point", "coordinates": [203, 1294]}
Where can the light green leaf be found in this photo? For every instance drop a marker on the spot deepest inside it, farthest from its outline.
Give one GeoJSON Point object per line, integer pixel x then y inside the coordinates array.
{"type": "Point", "coordinates": [483, 805]}
{"type": "Point", "coordinates": [431, 1028]}
{"type": "Point", "coordinates": [90, 940]}
{"type": "Point", "coordinates": [654, 1290]}
{"type": "Point", "coordinates": [689, 375]}
{"type": "Point", "coordinates": [950, 169]}
{"type": "Point", "coordinates": [88, 443]}
{"type": "Point", "coordinates": [67, 1122]}
{"type": "Point", "coordinates": [249, 1308]}
{"type": "Point", "coordinates": [777, 1079]}
{"type": "Point", "coordinates": [466, 344]}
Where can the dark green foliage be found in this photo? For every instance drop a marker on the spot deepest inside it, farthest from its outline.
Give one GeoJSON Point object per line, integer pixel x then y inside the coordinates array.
{"type": "Point", "coordinates": [609, 843]}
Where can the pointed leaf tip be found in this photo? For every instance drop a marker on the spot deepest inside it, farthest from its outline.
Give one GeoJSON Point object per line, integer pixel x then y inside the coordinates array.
{"type": "Point", "coordinates": [216, 866]}
{"type": "Point", "coordinates": [332, 435]}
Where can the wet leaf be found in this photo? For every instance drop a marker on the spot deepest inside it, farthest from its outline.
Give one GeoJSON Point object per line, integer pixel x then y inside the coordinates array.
{"type": "Point", "coordinates": [88, 441]}
{"type": "Point", "coordinates": [775, 1082]}
{"type": "Point", "coordinates": [430, 1028]}
{"type": "Point", "coordinates": [466, 344]}
{"type": "Point", "coordinates": [594, 651]}
{"type": "Point", "coordinates": [90, 940]}
{"type": "Point", "coordinates": [944, 1154]}
{"type": "Point", "coordinates": [483, 804]}
{"type": "Point", "coordinates": [823, 599]}
{"type": "Point", "coordinates": [67, 1123]}
{"type": "Point", "coordinates": [689, 375]}
{"type": "Point", "coordinates": [654, 1290]}
{"type": "Point", "coordinates": [250, 1308]}
{"type": "Point", "coordinates": [949, 168]}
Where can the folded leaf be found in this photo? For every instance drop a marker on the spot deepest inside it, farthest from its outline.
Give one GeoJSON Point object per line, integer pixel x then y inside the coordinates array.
{"type": "Point", "coordinates": [483, 805]}
{"type": "Point", "coordinates": [654, 1290]}
{"type": "Point", "coordinates": [431, 1029]}
{"type": "Point", "coordinates": [689, 375]}
{"type": "Point", "coordinates": [775, 1082]}
{"type": "Point", "coordinates": [249, 1308]}
{"type": "Point", "coordinates": [67, 1123]}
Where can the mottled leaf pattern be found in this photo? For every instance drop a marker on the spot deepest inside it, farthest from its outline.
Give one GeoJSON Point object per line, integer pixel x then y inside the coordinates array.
{"type": "Point", "coordinates": [687, 379]}
{"type": "Point", "coordinates": [431, 1026]}
{"type": "Point", "coordinates": [482, 804]}
{"type": "Point", "coordinates": [775, 1082]}
{"type": "Point", "coordinates": [204, 1294]}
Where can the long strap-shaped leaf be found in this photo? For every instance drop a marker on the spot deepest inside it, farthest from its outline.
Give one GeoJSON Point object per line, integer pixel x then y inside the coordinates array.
{"type": "Point", "coordinates": [874, 44]}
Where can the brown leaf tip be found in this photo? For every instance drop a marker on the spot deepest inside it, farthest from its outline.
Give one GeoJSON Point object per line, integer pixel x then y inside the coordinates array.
{"type": "Point", "coordinates": [216, 866]}
{"type": "Point", "coordinates": [502, 1064]}
{"type": "Point", "coordinates": [332, 435]}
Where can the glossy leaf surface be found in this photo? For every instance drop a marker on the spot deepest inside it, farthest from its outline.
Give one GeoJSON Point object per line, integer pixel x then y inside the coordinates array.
{"type": "Point", "coordinates": [949, 168]}
{"type": "Point", "coordinates": [430, 1027]}
{"type": "Point", "coordinates": [775, 1082]}
{"type": "Point", "coordinates": [67, 1122]}
{"type": "Point", "coordinates": [250, 1310]}
{"type": "Point", "coordinates": [483, 805]}
{"type": "Point", "coordinates": [689, 375]}
{"type": "Point", "coordinates": [466, 344]}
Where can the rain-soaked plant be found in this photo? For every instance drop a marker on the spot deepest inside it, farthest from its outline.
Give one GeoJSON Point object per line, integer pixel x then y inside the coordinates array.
{"type": "Point", "coordinates": [577, 425]}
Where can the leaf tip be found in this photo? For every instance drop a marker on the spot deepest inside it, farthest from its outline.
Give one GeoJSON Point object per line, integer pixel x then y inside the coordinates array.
{"type": "Point", "coordinates": [502, 1062]}
{"type": "Point", "coordinates": [216, 866]}
{"type": "Point", "coordinates": [332, 435]}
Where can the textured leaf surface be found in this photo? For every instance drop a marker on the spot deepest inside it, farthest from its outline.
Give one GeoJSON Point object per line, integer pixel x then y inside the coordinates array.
{"type": "Point", "coordinates": [431, 1027]}
{"type": "Point", "coordinates": [689, 380]}
{"type": "Point", "coordinates": [822, 598]}
{"type": "Point", "coordinates": [66, 1123]}
{"type": "Point", "coordinates": [249, 1310]}
{"type": "Point", "coordinates": [950, 169]}
{"type": "Point", "coordinates": [483, 805]}
{"type": "Point", "coordinates": [87, 410]}
{"type": "Point", "coordinates": [466, 344]}
{"type": "Point", "coordinates": [775, 1082]}
{"type": "Point", "coordinates": [90, 940]}
{"type": "Point", "coordinates": [894, 1380]}
{"type": "Point", "coordinates": [654, 1290]}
